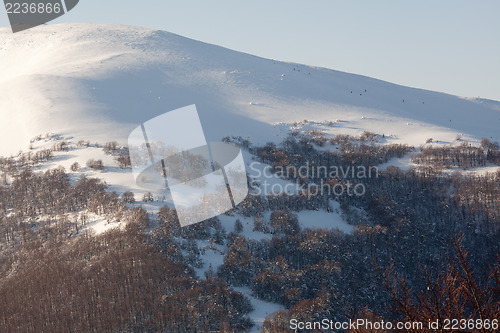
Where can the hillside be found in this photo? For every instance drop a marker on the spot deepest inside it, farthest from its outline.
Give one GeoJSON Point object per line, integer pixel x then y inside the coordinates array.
{"type": "Point", "coordinates": [109, 255]}
{"type": "Point", "coordinates": [98, 82]}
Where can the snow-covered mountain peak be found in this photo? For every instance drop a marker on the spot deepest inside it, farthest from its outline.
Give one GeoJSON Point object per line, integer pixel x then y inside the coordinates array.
{"type": "Point", "coordinates": [100, 81]}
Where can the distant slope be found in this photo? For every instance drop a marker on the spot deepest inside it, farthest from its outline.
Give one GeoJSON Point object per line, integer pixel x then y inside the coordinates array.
{"type": "Point", "coordinates": [100, 81]}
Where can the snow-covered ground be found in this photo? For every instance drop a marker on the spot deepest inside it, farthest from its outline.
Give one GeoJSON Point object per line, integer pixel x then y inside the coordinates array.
{"type": "Point", "coordinates": [117, 179]}
{"type": "Point", "coordinates": [261, 309]}
{"type": "Point", "coordinates": [98, 82]}
{"type": "Point", "coordinates": [323, 220]}
{"type": "Point", "coordinates": [99, 224]}
{"type": "Point", "coordinates": [213, 255]}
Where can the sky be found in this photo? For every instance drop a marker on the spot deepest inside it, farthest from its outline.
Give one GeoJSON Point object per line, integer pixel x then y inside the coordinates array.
{"type": "Point", "coordinates": [451, 46]}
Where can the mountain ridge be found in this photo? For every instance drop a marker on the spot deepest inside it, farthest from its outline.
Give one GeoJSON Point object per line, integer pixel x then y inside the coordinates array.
{"type": "Point", "coordinates": [99, 81]}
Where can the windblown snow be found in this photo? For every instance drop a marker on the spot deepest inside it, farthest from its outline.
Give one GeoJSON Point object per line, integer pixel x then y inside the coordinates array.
{"type": "Point", "coordinates": [98, 82]}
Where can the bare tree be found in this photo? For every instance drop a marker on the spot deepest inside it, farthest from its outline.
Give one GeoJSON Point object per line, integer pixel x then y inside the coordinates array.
{"type": "Point", "coordinates": [454, 293]}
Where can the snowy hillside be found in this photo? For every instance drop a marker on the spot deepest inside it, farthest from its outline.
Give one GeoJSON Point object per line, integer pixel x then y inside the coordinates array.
{"type": "Point", "coordinates": [98, 82]}
{"type": "Point", "coordinates": [67, 90]}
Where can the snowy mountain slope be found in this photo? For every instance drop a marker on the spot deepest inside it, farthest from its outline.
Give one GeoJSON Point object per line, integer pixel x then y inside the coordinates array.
{"type": "Point", "coordinates": [98, 82]}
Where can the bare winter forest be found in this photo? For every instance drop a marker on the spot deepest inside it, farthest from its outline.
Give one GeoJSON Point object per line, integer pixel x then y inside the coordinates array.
{"type": "Point", "coordinates": [425, 244]}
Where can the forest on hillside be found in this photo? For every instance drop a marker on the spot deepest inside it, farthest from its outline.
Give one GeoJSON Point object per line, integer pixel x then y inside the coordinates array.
{"type": "Point", "coordinates": [420, 236]}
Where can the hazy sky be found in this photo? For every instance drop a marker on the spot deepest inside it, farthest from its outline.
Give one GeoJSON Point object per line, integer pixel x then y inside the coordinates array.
{"type": "Point", "coordinates": [447, 45]}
